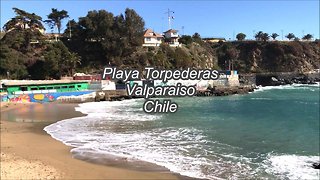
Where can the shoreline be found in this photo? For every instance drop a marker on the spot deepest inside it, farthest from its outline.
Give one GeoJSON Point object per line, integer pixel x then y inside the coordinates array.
{"type": "Point", "coordinates": [106, 161]}
{"type": "Point", "coordinates": [26, 147]}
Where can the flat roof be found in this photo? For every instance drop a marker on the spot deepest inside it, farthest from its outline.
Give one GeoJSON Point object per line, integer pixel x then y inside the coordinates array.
{"type": "Point", "coordinates": [39, 82]}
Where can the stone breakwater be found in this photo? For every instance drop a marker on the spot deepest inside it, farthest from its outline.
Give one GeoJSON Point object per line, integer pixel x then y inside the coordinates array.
{"type": "Point", "coordinates": [118, 95]}
{"type": "Point", "coordinates": [225, 91]}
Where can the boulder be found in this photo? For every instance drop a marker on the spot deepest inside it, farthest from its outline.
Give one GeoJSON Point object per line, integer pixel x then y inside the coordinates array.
{"type": "Point", "coordinates": [316, 165]}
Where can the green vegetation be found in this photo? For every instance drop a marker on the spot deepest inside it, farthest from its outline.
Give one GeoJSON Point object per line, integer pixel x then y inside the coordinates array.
{"type": "Point", "coordinates": [102, 39]}
{"type": "Point", "coordinates": [290, 36]}
{"type": "Point", "coordinates": [256, 56]}
{"type": "Point", "coordinates": [24, 20]}
{"type": "Point", "coordinates": [261, 36]}
{"type": "Point", "coordinates": [241, 36]}
{"type": "Point", "coordinates": [307, 37]}
{"type": "Point", "coordinates": [55, 18]}
{"type": "Point", "coordinates": [274, 36]}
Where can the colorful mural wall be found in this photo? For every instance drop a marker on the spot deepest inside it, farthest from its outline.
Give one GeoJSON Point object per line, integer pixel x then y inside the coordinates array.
{"type": "Point", "coordinates": [41, 97]}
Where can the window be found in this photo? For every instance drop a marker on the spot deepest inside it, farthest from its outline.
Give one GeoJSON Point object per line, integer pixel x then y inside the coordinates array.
{"type": "Point", "coordinates": [64, 87]}
{"type": "Point", "coordinates": [78, 86]}
{"type": "Point", "coordinates": [148, 39]}
{"type": "Point", "coordinates": [49, 87]}
{"type": "Point", "coordinates": [42, 88]}
{"type": "Point", "coordinates": [71, 86]}
{"type": "Point", "coordinates": [24, 88]}
{"type": "Point", "coordinates": [57, 87]}
{"type": "Point", "coordinates": [159, 39]}
{"type": "Point", "coordinates": [34, 88]}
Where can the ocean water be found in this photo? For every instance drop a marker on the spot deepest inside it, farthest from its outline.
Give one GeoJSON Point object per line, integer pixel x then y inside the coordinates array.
{"type": "Point", "coordinates": [270, 133]}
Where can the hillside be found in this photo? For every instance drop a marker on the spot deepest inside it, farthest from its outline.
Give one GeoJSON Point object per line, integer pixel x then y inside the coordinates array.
{"type": "Point", "coordinates": [273, 56]}
{"type": "Point", "coordinates": [102, 39]}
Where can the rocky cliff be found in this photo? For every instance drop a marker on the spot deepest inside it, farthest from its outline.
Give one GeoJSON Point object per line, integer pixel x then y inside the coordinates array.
{"type": "Point", "coordinates": [273, 56]}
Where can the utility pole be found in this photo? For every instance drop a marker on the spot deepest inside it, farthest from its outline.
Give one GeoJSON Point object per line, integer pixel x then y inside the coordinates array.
{"type": "Point", "coordinates": [69, 29]}
{"type": "Point", "coordinates": [169, 17]}
{"type": "Point", "coordinates": [282, 34]}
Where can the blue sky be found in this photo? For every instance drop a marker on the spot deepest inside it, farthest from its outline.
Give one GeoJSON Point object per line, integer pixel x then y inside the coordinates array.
{"type": "Point", "coordinates": [209, 18]}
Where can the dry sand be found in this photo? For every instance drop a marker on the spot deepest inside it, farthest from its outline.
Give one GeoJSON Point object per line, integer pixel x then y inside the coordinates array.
{"type": "Point", "coordinates": [27, 152]}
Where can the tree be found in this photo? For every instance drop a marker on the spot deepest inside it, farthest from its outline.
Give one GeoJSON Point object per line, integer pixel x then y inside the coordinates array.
{"type": "Point", "coordinates": [24, 20]}
{"type": "Point", "coordinates": [227, 55]}
{"type": "Point", "coordinates": [185, 39]}
{"type": "Point", "coordinates": [134, 27]}
{"type": "Point", "coordinates": [274, 36]}
{"type": "Point", "coordinates": [55, 18]}
{"type": "Point", "coordinates": [59, 60]}
{"type": "Point", "coordinates": [12, 63]}
{"type": "Point", "coordinates": [307, 37]}
{"type": "Point", "coordinates": [241, 36]}
{"type": "Point", "coordinates": [73, 30]}
{"type": "Point", "coordinates": [259, 35]}
{"type": "Point", "coordinates": [265, 37]}
{"type": "Point", "coordinates": [196, 36]}
{"type": "Point", "coordinates": [290, 36]}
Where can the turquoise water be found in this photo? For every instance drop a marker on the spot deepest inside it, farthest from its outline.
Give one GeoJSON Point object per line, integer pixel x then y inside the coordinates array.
{"type": "Point", "coordinates": [271, 133]}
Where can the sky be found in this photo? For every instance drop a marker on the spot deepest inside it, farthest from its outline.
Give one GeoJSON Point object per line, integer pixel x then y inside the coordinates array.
{"type": "Point", "coordinates": [215, 18]}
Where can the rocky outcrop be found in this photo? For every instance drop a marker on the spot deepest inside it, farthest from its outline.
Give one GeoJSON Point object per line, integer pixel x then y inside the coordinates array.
{"type": "Point", "coordinates": [316, 165]}
{"type": "Point", "coordinates": [275, 79]}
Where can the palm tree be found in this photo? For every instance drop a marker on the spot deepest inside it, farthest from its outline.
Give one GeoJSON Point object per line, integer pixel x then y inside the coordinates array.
{"type": "Point", "coordinates": [307, 37]}
{"type": "Point", "coordinates": [55, 18]}
{"type": "Point", "coordinates": [72, 60]}
{"type": "Point", "coordinates": [290, 36]}
{"type": "Point", "coordinates": [265, 37]}
{"type": "Point", "coordinates": [274, 36]}
{"type": "Point", "coordinates": [259, 35]}
{"type": "Point", "coordinates": [24, 20]}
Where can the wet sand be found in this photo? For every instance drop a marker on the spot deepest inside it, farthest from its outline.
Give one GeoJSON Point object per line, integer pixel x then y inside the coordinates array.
{"type": "Point", "coordinates": [28, 152]}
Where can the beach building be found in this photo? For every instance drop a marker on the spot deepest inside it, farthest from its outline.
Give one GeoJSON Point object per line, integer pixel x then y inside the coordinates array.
{"type": "Point", "coordinates": [152, 38]}
{"type": "Point", "coordinates": [172, 38]}
{"type": "Point", "coordinates": [226, 78]}
{"type": "Point", "coordinates": [42, 90]}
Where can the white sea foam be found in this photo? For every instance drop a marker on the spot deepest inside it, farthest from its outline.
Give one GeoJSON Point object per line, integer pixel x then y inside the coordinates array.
{"type": "Point", "coordinates": [123, 129]}
{"type": "Point", "coordinates": [292, 166]}
{"type": "Point", "coordinates": [292, 86]}
{"type": "Point", "coordinates": [113, 128]}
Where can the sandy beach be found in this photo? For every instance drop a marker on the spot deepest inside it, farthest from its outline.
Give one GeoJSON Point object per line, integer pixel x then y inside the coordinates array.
{"type": "Point", "coordinates": [28, 152]}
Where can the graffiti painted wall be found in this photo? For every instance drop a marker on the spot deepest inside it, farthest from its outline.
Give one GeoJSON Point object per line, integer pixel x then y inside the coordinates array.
{"type": "Point", "coordinates": [41, 97]}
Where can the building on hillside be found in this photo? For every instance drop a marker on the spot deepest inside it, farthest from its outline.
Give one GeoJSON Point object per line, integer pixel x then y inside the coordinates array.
{"type": "Point", "coordinates": [214, 40]}
{"type": "Point", "coordinates": [172, 37]}
{"type": "Point", "coordinates": [20, 25]}
{"type": "Point", "coordinates": [52, 36]}
{"type": "Point", "coordinates": [152, 38]}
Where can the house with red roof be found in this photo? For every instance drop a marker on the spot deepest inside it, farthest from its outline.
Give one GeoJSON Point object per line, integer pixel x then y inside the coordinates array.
{"type": "Point", "coordinates": [152, 38]}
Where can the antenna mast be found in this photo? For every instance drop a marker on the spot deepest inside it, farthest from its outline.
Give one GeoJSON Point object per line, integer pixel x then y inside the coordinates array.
{"type": "Point", "coordinates": [169, 17]}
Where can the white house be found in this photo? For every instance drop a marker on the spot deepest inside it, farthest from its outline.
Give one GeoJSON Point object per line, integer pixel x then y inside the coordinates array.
{"type": "Point", "coordinates": [172, 37]}
{"type": "Point", "coordinates": [152, 38]}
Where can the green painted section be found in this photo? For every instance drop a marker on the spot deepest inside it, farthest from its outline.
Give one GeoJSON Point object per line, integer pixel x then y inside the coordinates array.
{"type": "Point", "coordinates": [65, 87]}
